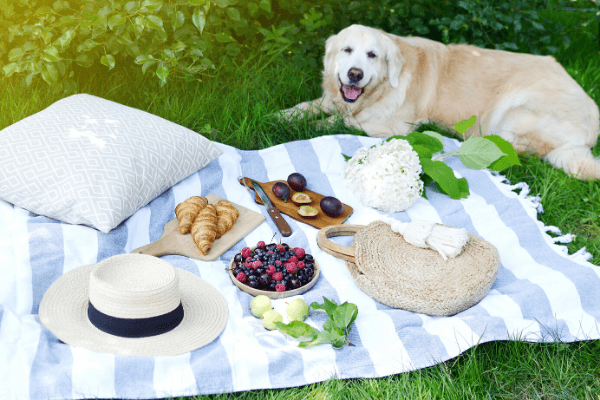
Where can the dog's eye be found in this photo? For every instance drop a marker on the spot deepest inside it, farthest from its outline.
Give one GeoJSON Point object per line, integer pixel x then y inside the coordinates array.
{"type": "Point", "coordinates": [371, 54]}
{"type": "Point", "coordinates": [348, 50]}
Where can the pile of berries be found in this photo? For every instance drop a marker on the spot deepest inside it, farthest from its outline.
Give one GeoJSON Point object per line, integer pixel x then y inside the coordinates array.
{"type": "Point", "coordinates": [274, 267]}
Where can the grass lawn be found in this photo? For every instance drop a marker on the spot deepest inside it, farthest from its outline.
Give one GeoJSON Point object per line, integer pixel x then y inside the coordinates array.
{"type": "Point", "coordinates": [232, 107]}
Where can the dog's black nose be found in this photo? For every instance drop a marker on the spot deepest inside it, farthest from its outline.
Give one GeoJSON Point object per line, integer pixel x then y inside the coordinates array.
{"type": "Point", "coordinates": [355, 74]}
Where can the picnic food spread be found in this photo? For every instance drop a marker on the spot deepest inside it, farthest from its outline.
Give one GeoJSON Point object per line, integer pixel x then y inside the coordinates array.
{"type": "Point", "coordinates": [273, 270]}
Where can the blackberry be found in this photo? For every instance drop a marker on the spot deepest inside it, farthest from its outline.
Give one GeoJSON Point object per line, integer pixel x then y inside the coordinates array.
{"type": "Point", "coordinates": [308, 258]}
{"type": "Point", "coordinates": [264, 279]}
{"type": "Point", "coordinates": [238, 258]}
{"type": "Point", "coordinates": [295, 283]}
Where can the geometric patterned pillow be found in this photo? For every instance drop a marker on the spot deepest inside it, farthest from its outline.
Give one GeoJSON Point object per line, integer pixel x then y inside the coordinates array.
{"type": "Point", "coordinates": [86, 160]}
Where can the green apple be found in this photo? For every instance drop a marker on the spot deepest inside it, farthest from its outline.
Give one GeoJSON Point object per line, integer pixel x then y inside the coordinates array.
{"type": "Point", "coordinates": [297, 310]}
{"type": "Point", "coordinates": [260, 305]}
{"type": "Point", "coordinates": [270, 317]}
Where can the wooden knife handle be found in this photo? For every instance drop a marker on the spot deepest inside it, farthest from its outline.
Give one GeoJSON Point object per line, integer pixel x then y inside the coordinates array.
{"type": "Point", "coordinates": [281, 224]}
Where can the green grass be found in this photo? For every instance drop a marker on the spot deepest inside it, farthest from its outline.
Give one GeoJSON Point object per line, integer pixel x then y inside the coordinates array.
{"type": "Point", "coordinates": [233, 105]}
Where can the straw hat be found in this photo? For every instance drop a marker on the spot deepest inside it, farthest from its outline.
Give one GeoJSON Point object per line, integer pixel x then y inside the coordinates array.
{"type": "Point", "coordinates": [133, 304]}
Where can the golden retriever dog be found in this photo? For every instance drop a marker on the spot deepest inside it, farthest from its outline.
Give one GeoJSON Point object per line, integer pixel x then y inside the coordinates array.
{"type": "Point", "coordinates": [385, 84]}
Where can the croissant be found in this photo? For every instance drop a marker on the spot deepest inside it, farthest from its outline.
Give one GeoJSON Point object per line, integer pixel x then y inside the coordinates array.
{"type": "Point", "coordinates": [187, 211]}
{"type": "Point", "coordinates": [204, 228]}
{"type": "Point", "coordinates": [227, 214]}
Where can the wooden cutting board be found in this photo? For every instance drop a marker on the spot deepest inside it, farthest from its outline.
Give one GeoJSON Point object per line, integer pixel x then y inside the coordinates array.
{"type": "Point", "coordinates": [173, 242]}
{"type": "Point", "coordinates": [290, 209]}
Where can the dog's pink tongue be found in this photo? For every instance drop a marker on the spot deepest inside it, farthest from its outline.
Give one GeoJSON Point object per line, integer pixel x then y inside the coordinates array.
{"type": "Point", "coordinates": [351, 92]}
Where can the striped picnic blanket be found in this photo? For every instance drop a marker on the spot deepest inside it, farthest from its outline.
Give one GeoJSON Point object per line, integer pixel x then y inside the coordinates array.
{"type": "Point", "coordinates": [541, 293]}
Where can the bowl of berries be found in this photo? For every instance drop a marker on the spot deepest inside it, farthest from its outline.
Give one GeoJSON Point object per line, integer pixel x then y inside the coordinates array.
{"type": "Point", "coordinates": [274, 270]}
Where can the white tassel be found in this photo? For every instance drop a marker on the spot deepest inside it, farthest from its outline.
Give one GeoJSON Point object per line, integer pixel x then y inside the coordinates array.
{"type": "Point", "coordinates": [447, 241]}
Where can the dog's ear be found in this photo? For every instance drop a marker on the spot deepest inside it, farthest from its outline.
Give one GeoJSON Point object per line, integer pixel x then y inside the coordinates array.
{"type": "Point", "coordinates": [330, 46]}
{"type": "Point", "coordinates": [394, 60]}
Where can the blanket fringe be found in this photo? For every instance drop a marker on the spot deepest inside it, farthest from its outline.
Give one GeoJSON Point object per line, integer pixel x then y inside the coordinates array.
{"type": "Point", "coordinates": [581, 255]}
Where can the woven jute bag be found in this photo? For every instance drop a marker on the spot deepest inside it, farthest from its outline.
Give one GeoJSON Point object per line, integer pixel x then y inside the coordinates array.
{"type": "Point", "coordinates": [401, 275]}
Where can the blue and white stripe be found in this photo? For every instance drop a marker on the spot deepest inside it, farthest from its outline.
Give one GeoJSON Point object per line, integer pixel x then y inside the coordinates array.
{"type": "Point", "coordinates": [541, 293]}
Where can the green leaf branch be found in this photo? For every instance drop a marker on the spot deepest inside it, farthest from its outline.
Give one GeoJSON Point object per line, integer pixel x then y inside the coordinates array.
{"type": "Point", "coordinates": [336, 329]}
{"type": "Point", "coordinates": [491, 152]}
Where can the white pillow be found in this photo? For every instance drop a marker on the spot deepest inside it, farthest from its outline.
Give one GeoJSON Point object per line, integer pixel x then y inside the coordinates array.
{"type": "Point", "coordinates": [86, 160]}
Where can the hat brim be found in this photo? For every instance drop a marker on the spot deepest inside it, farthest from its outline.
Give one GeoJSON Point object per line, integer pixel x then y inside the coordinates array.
{"type": "Point", "coordinates": [63, 310]}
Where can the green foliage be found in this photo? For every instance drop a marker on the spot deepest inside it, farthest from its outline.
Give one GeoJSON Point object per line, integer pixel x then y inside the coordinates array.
{"type": "Point", "coordinates": [476, 153]}
{"type": "Point", "coordinates": [335, 330]}
{"type": "Point", "coordinates": [187, 38]}
{"type": "Point", "coordinates": [168, 38]}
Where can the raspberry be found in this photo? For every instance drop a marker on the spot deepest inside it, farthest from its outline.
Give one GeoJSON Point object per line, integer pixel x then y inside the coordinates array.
{"type": "Point", "coordinates": [256, 264]}
{"type": "Point", "coordinates": [270, 252]}
{"type": "Point", "coordinates": [299, 252]}
{"type": "Point", "coordinates": [260, 244]}
{"type": "Point", "coordinates": [247, 264]}
{"type": "Point", "coordinates": [301, 264]}
{"type": "Point", "coordinates": [280, 247]}
{"type": "Point", "coordinates": [291, 268]}
{"type": "Point", "coordinates": [270, 269]}
{"type": "Point", "coordinates": [246, 252]}
{"type": "Point", "coordinates": [277, 276]}
{"type": "Point", "coordinates": [278, 262]}
{"type": "Point", "coordinates": [241, 277]}
{"type": "Point", "coordinates": [280, 287]}
{"type": "Point", "coordinates": [293, 259]}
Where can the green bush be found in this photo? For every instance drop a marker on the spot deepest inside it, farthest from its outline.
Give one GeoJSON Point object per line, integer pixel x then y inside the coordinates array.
{"type": "Point", "coordinates": [185, 38]}
{"type": "Point", "coordinates": [170, 38]}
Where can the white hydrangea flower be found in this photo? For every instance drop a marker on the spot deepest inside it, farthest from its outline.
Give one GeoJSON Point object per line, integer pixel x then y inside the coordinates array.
{"type": "Point", "coordinates": [386, 176]}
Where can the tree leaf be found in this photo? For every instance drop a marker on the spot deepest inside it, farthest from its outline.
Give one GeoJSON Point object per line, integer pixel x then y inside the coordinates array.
{"type": "Point", "coordinates": [154, 22]}
{"type": "Point", "coordinates": [478, 153]}
{"type": "Point", "coordinates": [152, 5]}
{"type": "Point", "coordinates": [178, 20]}
{"type": "Point", "coordinates": [162, 72]}
{"type": "Point", "coordinates": [50, 54]}
{"type": "Point", "coordinates": [10, 69]}
{"type": "Point", "coordinates": [84, 60]}
{"type": "Point", "coordinates": [298, 330]}
{"type": "Point", "coordinates": [199, 19]}
{"type": "Point", "coordinates": [116, 20]}
{"type": "Point", "coordinates": [344, 315]}
{"type": "Point", "coordinates": [223, 38]}
{"type": "Point", "coordinates": [233, 13]}
{"type": "Point", "coordinates": [148, 64]}
{"type": "Point", "coordinates": [462, 126]}
{"type": "Point", "coordinates": [108, 60]}
{"type": "Point", "coordinates": [509, 159]}
{"type": "Point", "coordinates": [16, 54]}
{"type": "Point", "coordinates": [328, 306]}
{"type": "Point", "coordinates": [265, 5]}
{"type": "Point", "coordinates": [131, 7]}
{"type": "Point", "coordinates": [49, 73]}
{"type": "Point", "coordinates": [443, 177]}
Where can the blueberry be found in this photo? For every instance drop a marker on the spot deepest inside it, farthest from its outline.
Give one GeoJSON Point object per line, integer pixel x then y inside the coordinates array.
{"type": "Point", "coordinates": [253, 284]}
{"type": "Point", "coordinates": [236, 271]}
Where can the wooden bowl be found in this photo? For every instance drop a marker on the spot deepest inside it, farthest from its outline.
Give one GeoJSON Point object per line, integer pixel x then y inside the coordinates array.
{"type": "Point", "coordinates": [268, 293]}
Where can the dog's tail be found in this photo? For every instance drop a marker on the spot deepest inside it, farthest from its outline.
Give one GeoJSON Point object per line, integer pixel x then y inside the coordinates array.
{"type": "Point", "coordinates": [577, 160]}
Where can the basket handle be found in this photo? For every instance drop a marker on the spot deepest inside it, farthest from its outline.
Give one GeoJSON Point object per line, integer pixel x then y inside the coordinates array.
{"type": "Point", "coordinates": [337, 250]}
